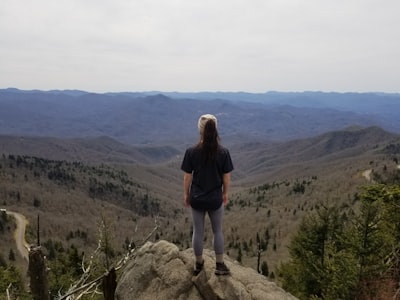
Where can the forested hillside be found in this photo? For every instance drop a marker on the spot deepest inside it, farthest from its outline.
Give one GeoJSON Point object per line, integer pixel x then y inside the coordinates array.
{"type": "Point", "coordinates": [272, 191]}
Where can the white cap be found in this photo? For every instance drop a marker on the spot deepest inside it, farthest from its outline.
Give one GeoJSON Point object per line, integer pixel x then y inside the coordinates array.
{"type": "Point", "coordinates": [203, 120]}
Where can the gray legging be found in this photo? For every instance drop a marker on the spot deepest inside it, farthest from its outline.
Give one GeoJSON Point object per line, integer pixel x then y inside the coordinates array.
{"type": "Point", "coordinates": [198, 230]}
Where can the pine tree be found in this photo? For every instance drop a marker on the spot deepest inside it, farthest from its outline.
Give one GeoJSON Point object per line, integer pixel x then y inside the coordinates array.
{"type": "Point", "coordinates": [11, 255]}
{"type": "Point", "coordinates": [264, 268]}
{"type": "Point", "coordinates": [333, 256]}
{"type": "Point", "coordinates": [375, 237]}
{"type": "Point", "coordinates": [105, 240]}
{"type": "Point", "coordinates": [320, 266]}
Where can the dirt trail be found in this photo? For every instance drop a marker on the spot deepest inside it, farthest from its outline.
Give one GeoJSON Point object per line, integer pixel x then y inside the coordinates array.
{"type": "Point", "coordinates": [19, 234]}
{"type": "Point", "coordinates": [367, 174]}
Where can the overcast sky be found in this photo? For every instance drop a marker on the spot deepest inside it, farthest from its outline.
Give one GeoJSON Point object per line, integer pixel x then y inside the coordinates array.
{"type": "Point", "coordinates": [201, 45]}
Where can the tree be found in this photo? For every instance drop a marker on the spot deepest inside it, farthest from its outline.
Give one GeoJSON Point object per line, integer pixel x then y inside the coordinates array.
{"type": "Point", "coordinates": [320, 266]}
{"type": "Point", "coordinates": [37, 271]}
{"type": "Point", "coordinates": [392, 202]}
{"type": "Point", "coordinates": [239, 256]}
{"type": "Point", "coordinates": [336, 257]}
{"type": "Point", "coordinates": [376, 238]}
{"type": "Point", "coordinates": [90, 281]}
{"type": "Point", "coordinates": [10, 278]}
{"type": "Point", "coordinates": [105, 240]}
{"type": "Point", "coordinates": [3, 263]}
{"type": "Point", "coordinates": [3, 215]}
{"type": "Point", "coordinates": [36, 202]}
{"type": "Point", "coordinates": [261, 247]}
{"type": "Point", "coordinates": [11, 255]}
{"type": "Point", "coordinates": [264, 268]}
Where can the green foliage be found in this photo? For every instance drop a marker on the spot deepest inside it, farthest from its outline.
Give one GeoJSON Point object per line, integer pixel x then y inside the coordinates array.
{"type": "Point", "coordinates": [61, 175]}
{"type": "Point", "coordinates": [11, 255]}
{"type": "Point", "coordinates": [3, 217]}
{"type": "Point", "coordinates": [105, 241]}
{"type": "Point", "coordinates": [318, 258]}
{"type": "Point", "coordinates": [334, 258]}
{"type": "Point", "coordinates": [3, 262]}
{"type": "Point", "coordinates": [10, 278]}
{"type": "Point", "coordinates": [378, 235]}
{"type": "Point", "coordinates": [36, 202]}
{"type": "Point", "coordinates": [299, 188]}
{"type": "Point", "coordinates": [64, 266]}
{"type": "Point", "coordinates": [371, 243]}
{"type": "Point", "coordinates": [3, 221]}
{"type": "Point", "coordinates": [239, 256]}
{"type": "Point", "coordinates": [264, 268]}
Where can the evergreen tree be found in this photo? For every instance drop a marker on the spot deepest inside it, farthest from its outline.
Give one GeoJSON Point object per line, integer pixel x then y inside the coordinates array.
{"type": "Point", "coordinates": [392, 203]}
{"type": "Point", "coordinates": [239, 256]}
{"type": "Point", "coordinates": [264, 268]}
{"type": "Point", "coordinates": [334, 256]}
{"type": "Point", "coordinates": [375, 237]}
{"type": "Point", "coordinates": [11, 275]}
{"type": "Point", "coordinates": [105, 240]}
{"type": "Point", "coordinates": [3, 263]}
{"type": "Point", "coordinates": [320, 266]}
{"type": "Point", "coordinates": [11, 255]}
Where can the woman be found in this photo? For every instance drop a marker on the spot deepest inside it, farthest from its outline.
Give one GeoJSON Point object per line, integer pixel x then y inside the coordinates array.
{"type": "Point", "coordinates": [207, 168]}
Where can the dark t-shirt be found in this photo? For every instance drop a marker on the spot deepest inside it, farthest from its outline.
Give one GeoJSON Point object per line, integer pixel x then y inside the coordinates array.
{"type": "Point", "coordinates": [206, 188]}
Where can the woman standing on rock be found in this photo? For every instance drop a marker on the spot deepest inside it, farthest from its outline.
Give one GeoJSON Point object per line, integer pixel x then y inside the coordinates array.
{"type": "Point", "coordinates": [206, 180]}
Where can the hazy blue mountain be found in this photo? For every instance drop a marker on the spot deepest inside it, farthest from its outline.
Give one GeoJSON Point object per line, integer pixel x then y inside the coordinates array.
{"type": "Point", "coordinates": [384, 105]}
{"type": "Point", "coordinates": [155, 118]}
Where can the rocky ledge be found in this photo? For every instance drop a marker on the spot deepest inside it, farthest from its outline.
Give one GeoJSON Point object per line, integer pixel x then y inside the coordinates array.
{"type": "Point", "coordinates": [160, 271]}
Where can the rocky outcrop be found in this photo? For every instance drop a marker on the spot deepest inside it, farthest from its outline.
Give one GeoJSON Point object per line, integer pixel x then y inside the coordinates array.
{"type": "Point", "coordinates": [161, 272]}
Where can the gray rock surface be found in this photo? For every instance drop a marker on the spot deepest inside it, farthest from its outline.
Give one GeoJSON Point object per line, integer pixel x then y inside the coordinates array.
{"type": "Point", "coordinates": [160, 271]}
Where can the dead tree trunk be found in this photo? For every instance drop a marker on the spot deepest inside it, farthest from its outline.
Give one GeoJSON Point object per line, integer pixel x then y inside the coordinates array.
{"type": "Point", "coordinates": [37, 271]}
{"type": "Point", "coordinates": [109, 285]}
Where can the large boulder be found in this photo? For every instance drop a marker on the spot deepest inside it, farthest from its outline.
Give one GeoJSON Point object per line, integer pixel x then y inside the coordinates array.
{"type": "Point", "coordinates": [160, 271]}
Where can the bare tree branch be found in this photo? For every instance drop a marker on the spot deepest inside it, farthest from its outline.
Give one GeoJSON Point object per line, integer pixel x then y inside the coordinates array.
{"type": "Point", "coordinates": [81, 287]}
{"type": "Point", "coordinates": [8, 291]}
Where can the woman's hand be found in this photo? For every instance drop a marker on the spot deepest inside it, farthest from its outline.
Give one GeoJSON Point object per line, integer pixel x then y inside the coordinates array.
{"type": "Point", "coordinates": [187, 200]}
{"type": "Point", "coordinates": [226, 180]}
{"type": "Point", "coordinates": [225, 198]}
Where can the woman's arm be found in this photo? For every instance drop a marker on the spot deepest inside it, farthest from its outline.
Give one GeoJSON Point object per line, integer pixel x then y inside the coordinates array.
{"type": "Point", "coordinates": [187, 181]}
{"type": "Point", "coordinates": [226, 180]}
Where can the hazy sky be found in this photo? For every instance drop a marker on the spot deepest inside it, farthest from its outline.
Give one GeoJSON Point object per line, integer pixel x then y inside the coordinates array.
{"type": "Point", "coordinates": [201, 45]}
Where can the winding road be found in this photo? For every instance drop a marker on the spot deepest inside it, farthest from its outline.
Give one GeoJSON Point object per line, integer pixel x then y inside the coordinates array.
{"type": "Point", "coordinates": [19, 234]}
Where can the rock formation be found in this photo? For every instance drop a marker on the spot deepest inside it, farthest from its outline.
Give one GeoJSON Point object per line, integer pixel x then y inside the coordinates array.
{"type": "Point", "coordinates": [161, 272]}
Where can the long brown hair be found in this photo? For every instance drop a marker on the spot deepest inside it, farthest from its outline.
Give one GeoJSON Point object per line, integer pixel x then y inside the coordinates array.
{"type": "Point", "coordinates": [209, 141]}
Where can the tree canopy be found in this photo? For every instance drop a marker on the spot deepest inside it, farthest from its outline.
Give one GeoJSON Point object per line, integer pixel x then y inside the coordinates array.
{"type": "Point", "coordinates": [348, 254]}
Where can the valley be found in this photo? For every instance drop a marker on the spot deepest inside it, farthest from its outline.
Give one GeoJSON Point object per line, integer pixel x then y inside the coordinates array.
{"type": "Point", "coordinates": [274, 185]}
{"type": "Point", "coordinates": [79, 162]}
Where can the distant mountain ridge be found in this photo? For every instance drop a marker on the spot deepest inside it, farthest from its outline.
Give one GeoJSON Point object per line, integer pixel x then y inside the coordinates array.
{"type": "Point", "coordinates": [96, 150]}
{"type": "Point", "coordinates": [170, 118]}
{"type": "Point", "coordinates": [347, 143]}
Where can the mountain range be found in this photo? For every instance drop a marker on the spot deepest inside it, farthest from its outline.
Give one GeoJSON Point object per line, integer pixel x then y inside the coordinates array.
{"type": "Point", "coordinates": [171, 118]}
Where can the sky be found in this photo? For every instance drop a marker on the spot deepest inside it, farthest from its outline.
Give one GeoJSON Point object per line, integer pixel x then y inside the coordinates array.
{"type": "Point", "coordinates": [204, 45]}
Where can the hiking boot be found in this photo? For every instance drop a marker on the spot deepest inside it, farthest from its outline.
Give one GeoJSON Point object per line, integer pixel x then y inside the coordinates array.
{"type": "Point", "coordinates": [197, 268]}
{"type": "Point", "coordinates": [221, 269]}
